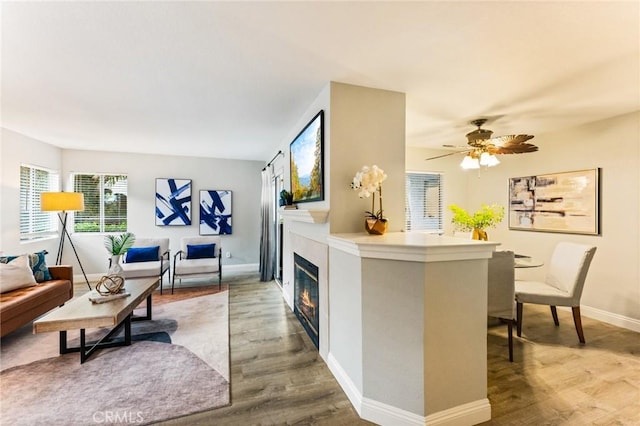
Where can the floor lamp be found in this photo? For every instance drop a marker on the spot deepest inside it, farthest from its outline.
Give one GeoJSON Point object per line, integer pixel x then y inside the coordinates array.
{"type": "Point", "coordinates": [64, 202]}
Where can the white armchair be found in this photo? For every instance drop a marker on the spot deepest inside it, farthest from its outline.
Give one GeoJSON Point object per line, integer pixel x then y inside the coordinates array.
{"type": "Point", "coordinates": [562, 286]}
{"type": "Point", "coordinates": [139, 263]}
{"type": "Point", "coordinates": [198, 256]}
{"type": "Point", "coordinates": [500, 298]}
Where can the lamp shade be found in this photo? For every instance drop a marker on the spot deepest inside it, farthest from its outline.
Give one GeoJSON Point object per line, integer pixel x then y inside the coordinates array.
{"type": "Point", "coordinates": [470, 163]}
{"type": "Point", "coordinates": [61, 201]}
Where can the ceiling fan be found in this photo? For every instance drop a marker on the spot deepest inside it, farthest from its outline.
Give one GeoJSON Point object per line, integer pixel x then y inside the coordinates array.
{"type": "Point", "coordinates": [483, 148]}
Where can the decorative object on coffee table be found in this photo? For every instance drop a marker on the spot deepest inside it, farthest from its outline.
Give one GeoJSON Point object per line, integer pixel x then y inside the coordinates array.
{"type": "Point", "coordinates": [369, 182]}
{"type": "Point", "coordinates": [110, 284]}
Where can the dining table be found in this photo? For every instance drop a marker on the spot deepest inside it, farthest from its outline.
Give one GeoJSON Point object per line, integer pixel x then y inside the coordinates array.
{"type": "Point", "coordinates": [524, 261]}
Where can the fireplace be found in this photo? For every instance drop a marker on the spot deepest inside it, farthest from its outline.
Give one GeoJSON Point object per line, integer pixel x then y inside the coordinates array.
{"type": "Point", "coordinates": [306, 296]}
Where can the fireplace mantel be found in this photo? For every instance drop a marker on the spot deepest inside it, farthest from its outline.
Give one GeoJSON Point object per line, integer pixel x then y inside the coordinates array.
{"type": "Point", "coordinates": [304, 215]}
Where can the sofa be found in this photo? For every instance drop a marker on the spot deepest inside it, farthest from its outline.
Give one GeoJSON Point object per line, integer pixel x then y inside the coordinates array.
{"type": "Point", "coordinates": [23, 305]}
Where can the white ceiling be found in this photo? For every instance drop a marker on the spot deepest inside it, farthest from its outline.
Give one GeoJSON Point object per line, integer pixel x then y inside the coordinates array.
{"type": "Point", "coordinates": [232, 79]}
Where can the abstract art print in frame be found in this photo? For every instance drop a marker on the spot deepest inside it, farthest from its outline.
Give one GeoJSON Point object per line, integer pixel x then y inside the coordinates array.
{"type": "Point", "coordinates": [215, 212]}
{"type": "Point", "coordinates": [306, 156]}
{"type": "Point", "coordinates": [173, 202]}
{"type": "Point", "coordinates": [567, 202]}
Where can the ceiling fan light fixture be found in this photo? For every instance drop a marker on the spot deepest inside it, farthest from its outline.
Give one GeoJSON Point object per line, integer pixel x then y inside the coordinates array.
{"type": "Point", "coordinates": [469, 162]}
{"type": "Point", "coordinates": [488, 160]}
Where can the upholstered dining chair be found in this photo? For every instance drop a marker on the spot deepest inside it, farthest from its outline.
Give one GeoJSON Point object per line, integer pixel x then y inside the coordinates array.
{"type": "Point", "coordinates": [562, 286]}
{"type": "Point", "coordinates": [500, 297]}
{"type": "Point", "coordinates": [198, 256]}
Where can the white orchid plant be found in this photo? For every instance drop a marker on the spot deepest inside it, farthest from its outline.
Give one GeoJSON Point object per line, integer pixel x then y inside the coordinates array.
{"type": "Point", "coordinates": [368, 182]}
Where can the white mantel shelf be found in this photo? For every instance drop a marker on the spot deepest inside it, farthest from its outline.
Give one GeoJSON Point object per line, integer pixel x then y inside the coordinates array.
{"type": "Point", "coordinates": [411, 246]}
{"type": "Point", "coordinates": [303, 215]}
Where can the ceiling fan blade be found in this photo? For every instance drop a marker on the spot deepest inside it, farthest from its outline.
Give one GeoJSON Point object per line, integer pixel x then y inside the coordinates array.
{"type": "Point", "coordinates": [511, 144]}
{"type": "Point", "coordinates": [481, 140]}
{"type": "Point", "coordinates": [445, 155]}
{"type": "Point", "coordinates": [505, 140]}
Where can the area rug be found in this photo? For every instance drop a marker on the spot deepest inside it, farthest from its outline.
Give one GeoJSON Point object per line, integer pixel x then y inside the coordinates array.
{"type": "Point", "coordinates": [147, 382]}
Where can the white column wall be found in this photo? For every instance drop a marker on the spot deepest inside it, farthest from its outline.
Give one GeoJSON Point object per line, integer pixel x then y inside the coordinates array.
{"type": "Point", "coordinates": [367, 128]}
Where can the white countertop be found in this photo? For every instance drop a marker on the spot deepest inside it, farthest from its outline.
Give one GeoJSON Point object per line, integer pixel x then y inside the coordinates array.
{"type": "Point", "coordinates": [411, 246]}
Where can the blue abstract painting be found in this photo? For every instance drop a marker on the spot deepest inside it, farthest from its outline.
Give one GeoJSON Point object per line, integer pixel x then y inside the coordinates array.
{"type": "Point", "coordinates": [173, 202]}
{"type": "Point", "coordinates": [215, 212]}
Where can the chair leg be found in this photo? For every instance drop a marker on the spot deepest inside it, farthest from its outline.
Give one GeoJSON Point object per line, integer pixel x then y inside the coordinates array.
{"type": "Point", "coordinates": [519, 318]}
{"type": "Point", "coordinates": [510, 328]}
{"type": "Point", "coordinates": [160, 284]}
{"type": "Point", "coordinates": [554, 314]}
{"type": "Point", "coordinates": [578, 322]}
{"type": "Point", "coordinates": [219, 280]}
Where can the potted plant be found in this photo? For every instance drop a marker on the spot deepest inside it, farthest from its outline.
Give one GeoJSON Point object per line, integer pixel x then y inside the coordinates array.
{"type": "Point", "coordinates": [369, 182]}
{"type": "Point", "coordinates": [117, 245]}
{"type": "Point", "coordinates": [286, 198]}
{"type": "Point", "coordinates": [487, 217]}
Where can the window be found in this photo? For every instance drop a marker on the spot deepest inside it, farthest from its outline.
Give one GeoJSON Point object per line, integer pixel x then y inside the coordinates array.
{"type": "Point", "coordinates": [105, 203]}
{"type": "Point", "coordinates": [33, 222]}
{"type": "Point", "coordinates": [423, 204]}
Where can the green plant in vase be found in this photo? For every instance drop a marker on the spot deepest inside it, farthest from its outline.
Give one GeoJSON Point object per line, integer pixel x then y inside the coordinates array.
{"type": "Point", "coordinates": [117, 245]}
{"type": "Point", "coordinates": [487, 217]}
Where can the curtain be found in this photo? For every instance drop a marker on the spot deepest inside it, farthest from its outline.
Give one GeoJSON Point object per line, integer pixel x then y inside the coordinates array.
{"type": "Point", "coordinates": [268, 235]}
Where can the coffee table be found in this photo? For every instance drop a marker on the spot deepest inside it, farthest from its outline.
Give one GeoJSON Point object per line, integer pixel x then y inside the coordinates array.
{"type": "Point", "coordinates": [80, 313]}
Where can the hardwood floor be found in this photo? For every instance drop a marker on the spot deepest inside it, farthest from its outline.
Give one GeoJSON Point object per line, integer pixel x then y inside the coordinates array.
{"type": "Point", "coordinates": [277, 375]}
{"type": "Point", "coordinates": [278, 378]}
{"type": "Point", "coordinates": [554, 380]}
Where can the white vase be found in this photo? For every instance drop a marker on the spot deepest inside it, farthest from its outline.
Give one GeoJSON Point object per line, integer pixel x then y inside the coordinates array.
{"type": "Point", "coordinates": [115, 267]}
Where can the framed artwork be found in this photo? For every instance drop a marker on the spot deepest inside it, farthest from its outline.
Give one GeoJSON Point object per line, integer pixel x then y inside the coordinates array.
{"type": "Point", "coordinates": [173, 202]}
{"type": "Point", "coordinates": [306, 156]}
{"type": "Point", "coordinates": [567, 202]}
{"type": "Point", "coordinates": [215, 212]}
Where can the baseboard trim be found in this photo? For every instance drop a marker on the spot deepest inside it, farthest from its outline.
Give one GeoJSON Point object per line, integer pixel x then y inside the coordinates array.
{"type": "Point", "coordinates": [470, 413]}
{"type": "Point", "coordinates": [345, 382]}
{"type": "Point", "coordinates": [383, 414]}
{"type": "Point", "coordinates": [610, 318]}
{"type": "Point", "coordinates": [93, 278]}
{"type": "Point", "coordinates": [245, 267]}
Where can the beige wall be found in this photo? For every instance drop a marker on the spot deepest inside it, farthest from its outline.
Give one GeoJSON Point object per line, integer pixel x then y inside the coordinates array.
{"type": "Point", "coordinates": [367, 128]}
{"type": "Point", "coordinates": [17, 149]}
{"type": "Point", "coordinates": [612, 289]}
{"type": "Point", "coordinates": [242, 177]}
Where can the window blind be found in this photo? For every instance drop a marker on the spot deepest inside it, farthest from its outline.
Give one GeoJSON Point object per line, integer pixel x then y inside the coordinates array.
{"type": "Point", "coordinates": [423, 202]}
{"type": "Point", "coordinates": [33, 222]}
{"type": "Point", "coordinates": [105, 202]}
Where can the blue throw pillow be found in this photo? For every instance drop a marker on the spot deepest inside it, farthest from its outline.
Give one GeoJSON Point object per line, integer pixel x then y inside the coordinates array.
{"type": "Point", "coordinates": [201, 251]}
{"type": "Point", "coordinates": [142, 254]}
{"type": "Point", "coordinates": [38, 265]}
